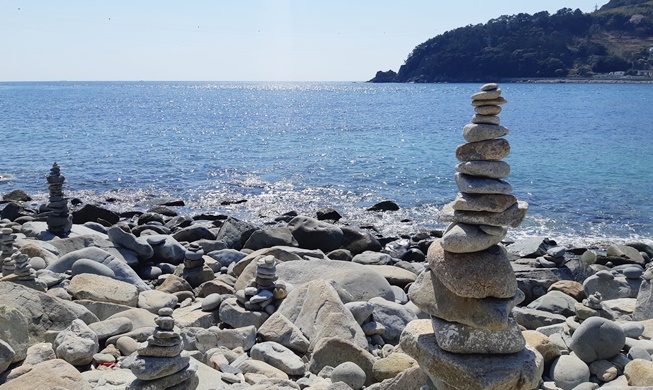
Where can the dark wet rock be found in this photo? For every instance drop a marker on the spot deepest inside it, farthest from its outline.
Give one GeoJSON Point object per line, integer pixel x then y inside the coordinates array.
{"type": "Point", "coordinates": [328, 214]}
{"type": "Point", "coordinates": [235, 233]}
{"type": "Point", "coordinates": [92, 213]}
{"type": "Point", "coordinates": [313, 234]}
{"type": "Point", "coordinates": [386, 205]}
{"type": "Point", "coordinates": [16, 196]}
{"type": "Point", "coordinates": [358, 241]}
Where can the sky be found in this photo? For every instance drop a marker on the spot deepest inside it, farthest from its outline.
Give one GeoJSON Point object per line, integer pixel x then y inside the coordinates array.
{"type": "Point", "coordinates": [244, 40]}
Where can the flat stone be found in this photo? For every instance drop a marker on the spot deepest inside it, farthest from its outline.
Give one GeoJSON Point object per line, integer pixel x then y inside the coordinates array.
{"type": "Point", "coordinates": [431, 296]}
{"type": "Point", "coordinates": [481, 185]}
{"type": "Point", "coordinates": [521, 370]}
{"type": "Point", "coordinates": [485, 102]}
{"type": "Point", "coordinates": [465, 238]}
{"type": "Point", "coordinates": [475, 132]}
{"type": "Point", "coordinates": [482, 202]}
{"type": "Point", "coordinates": [488, 110]}
{"type": "Point", "coordinates": [151, 367]}
{"type": "Point", "coordinates": [232, 313]}
{"type": "Point", "coordinates": [103, 289]}
{"type": "Point", "coordinates": [483, 274]}
{"type": "Point", "coordinates": [333, 351]}
{"type": "Point", "coordinates": [491, 169]}
{"type": "Point", "coordinates": [486, 119]}
{"type": "Point", "coordinates": [489, 94]}
{"type": "Point", "coordinates": [458, 338]}
{"type": "Point", "coordinates": [512, 216]}
{"type": "Point", "coordinates": [279, 357]}
{"type": "Point", "coordinates": [494, 149]}
{"type": "Point", "coordinates": [489, 86]}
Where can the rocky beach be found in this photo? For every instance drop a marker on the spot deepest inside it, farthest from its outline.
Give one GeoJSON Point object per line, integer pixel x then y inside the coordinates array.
{"type": "Point", "coordinates": [149, 298]}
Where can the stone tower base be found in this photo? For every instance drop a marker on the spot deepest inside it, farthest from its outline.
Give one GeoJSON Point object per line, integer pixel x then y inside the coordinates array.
{"type": "Point", "coordinates": [516, 371]}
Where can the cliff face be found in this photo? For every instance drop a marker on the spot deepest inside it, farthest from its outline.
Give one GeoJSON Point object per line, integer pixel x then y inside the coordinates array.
{"type": "Point", "coordinates": [568, 43]}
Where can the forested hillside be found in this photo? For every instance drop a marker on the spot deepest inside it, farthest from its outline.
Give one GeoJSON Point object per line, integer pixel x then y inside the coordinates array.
{"type": "Point", "coordinates": [617, 37]}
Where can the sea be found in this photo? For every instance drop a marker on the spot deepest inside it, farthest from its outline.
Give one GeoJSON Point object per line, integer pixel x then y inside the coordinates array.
{"type": "Point", "coordinates": [581, 154]}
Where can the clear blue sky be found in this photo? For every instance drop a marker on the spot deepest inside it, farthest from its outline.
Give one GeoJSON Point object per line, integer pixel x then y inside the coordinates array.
{"type": "Point", "coordinates": [243, 40]}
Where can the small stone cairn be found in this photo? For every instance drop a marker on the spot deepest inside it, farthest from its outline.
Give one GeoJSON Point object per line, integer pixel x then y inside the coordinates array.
{"type": "Point", "coordinates": [265, 291]}
{"type": "Point", "coordinates": [7, 239]}
{"type": "Point", "coordinates": [23, 270]}
{"type": "Point", "coordinates": [59, 220]}
{"type": "Point", "coordinates": [476, 342]}
{"type": "Point", "coordinates": [194, 271]}
{"type": "Point", "coordinates": [161, 362]}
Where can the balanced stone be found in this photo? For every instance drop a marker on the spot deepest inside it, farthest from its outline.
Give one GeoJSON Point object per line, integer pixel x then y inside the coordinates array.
{"type": "Point", "coordinates": [512, 216]}
{"type": "Point", "coordinates": [458, 338]}
{"type": "Point", "coordinates": [465, 238]}
{"type": "Point", "coordinates": [482, 274]}
{"type": "Point", "coordinates": [481, 185]}
{"type": "Point", "coordinates": [482, 132]}
{"type": "Point", "coordinates": [23, 269]}
{"type": "Point", "coordinates": [480, 202]}
{"type": "Point", "coordinates": [494, 149]}
{"type": "Point", "coordinates": [492, 169]}
{"type": "Point", "coordinates": [489, 86]}
{"type": "Point", "coordinates": [487, 94]}
{"type": "Point", "coordinates": [59, 220]}
{"type": "Point", "coordinates": [486, 313]}
{"type": "Point", "coordinates": [488, 110]}
{"type": "Point", "coordinates": [486, 119]}
{"type": "Point", "coordinates": [493, 102]}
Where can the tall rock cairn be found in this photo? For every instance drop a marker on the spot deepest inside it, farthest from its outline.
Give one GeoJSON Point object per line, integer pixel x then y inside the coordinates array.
{"type": "Point", "coordinates": [59, 220]}
{"type": "Point", "coordinates": [7, 239]}
{"type": "Point", "coordinates": [471, 288]}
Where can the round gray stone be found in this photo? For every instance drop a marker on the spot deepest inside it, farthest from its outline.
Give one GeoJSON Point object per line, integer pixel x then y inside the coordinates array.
{"type": "Point", "coordinates": [492, 169]}
{"type": "Point", "coordinates": [350, 374]}
{"type": "Point", "coordinates": [597, 338]}
{"type": "Point", "coordinates": [87, 266]}
{"type": "Point", "coordinates": [494, 149]}
{"type": "Point", "coordinates": [475, 132]}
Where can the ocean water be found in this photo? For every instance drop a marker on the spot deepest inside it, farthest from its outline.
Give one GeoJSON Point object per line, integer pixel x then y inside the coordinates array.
{"type": "Point", "coordinates": [582, 154]}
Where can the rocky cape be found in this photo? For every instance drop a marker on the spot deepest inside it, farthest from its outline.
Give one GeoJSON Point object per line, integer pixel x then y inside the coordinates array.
{"type": "Point", "coordinates": [306, 302]}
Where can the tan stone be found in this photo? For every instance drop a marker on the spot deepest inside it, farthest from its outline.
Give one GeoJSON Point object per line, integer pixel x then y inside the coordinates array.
{"type": "Point", "coordinates": [494, 149]}
{"type": "Point", "coordinates": [542, 344]}
{"type": "Point", "coordinates": [639, 372]}
{"type": "Point", "coordinates": [489, 86]}
{"type": "Point", "coordinates": [482, 202]}
{"type": "Point", "coordinates": [522, 370]}
{"type": "Point", "coordinates": [48, 375]}
{"type": "Point", "coordinates": [483, 274]}
{"type": "Point", "coordinates": [103, 289]}
{"type": "Point", "coordinates": [391, 366]}
{"type": "Point", "coordinates": [487, 95]}
{"type": "Point", "coordinates": [488, 110]}
{"type": "Point", "coordinates": [475, 132]}
{"type": "Point", "coordinates": [570, 287]}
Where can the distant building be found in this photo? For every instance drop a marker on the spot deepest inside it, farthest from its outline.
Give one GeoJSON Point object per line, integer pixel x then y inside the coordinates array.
{"type": "Point", "coordinates": [650, 53]}
{"type": "Point", "coordinates": [618, 73]}
{"type": "Point", "coordinates": [648, 73]}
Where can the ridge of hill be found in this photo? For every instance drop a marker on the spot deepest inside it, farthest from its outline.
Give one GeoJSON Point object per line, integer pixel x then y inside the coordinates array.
{"type": "Point", "coordinates": [618, 37]}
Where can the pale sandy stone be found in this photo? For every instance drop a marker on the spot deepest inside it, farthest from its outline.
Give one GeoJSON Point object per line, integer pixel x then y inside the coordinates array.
{"type": "Point", "coordinates": [491, 94]}
{"type": "Point", "coordinates": [494, 149]}
{"type": "Point", "coordinates": [482, 274]}
{"type": "Point", "coordinates": [489, 102]}
{"type": "Point", "coordinates": [475, 132]}
{"type": "Point", "coordinates": [465, 238]}
{"type": "Point", "coordinates": [493, 169]}
{"type": "Point", "coordinates": [480, 202]}
{"type": "Point", "coordinates": [488, 110]}
{"type": "Point", "coordinates": [512, 216]}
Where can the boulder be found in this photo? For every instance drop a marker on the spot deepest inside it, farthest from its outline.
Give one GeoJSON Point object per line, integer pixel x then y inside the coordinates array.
{"type": "Point", "coordinates": [279, 357]}
{"type": "Point", "coordinates": [166, 249]}
{"type": "Point", "coordinates": [555, 302]}
{"type": "Point", "coordinates": [7, 355]}
{"type": "Point", "coordinates": [103, 289]}
{"type": "Point", "coordinates": [609, 285]}
{"type": "Point", "coordinates": [357, 241]}
{"type": "Point", "coordinates": [278, 328]}
{"type": "Point", "coordinates": [644, 304]}
{"type": "Point", "coordinates": [350, 374]}
{"type": "Point", "coordinates": [86, 266]}
{"type": "Point", "coordinates": [639, 373]}
{"type": "Point", "coordinates": [194, 233]}
{"type": "Point", "coordinates": [234, 233]}
{"type": "Point", "coordinates": [76, 344]}
{"type": "Point", "coordinates": [13, 331]}
{"type": "Point", "coordinates": [120, 268]}
{"type": "Point", "coordinates": [333, 351]}
{"type": "Point", "coordinates": [318, 312]}
{"type": "Point", "coordinates": [392, 365]}
{"type": "Point", "coordinates": [269, 237]}
{"type": "Point", "coordinates": [393, 316]}
{"type": "Point", "coordinates": [48, 375]}
{"type": "Point", "coordinates": [568, 371]}
{"type": "Point", "coordinates": [42, 311]}
{"type": "Point", "coordinates": [597, 338]}
{"type": "Point", "coordinates": [153, 300]}
{"type": "Point", "coordinates": [313, 234]}
{"type": "Point", "coordinates": [244, 338]}
{"type": "Point", "coordinates": [360, 281]}
{"type": "Point", "coordinates": [97, 241]}
{"type": "Point", "coordinates": [92, 213]}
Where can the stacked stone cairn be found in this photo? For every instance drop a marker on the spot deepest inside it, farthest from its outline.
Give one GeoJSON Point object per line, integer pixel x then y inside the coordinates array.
{"type": "Point", "coordinates": [23, 270]}
{"type": "Point", "coordinates": [7, 239]}
{"type": "Point", "coordinates": [265, 292]}
{"type": "Point", "coordinates": [476, 342]}
{"type": "Point", "coordinates": [161, 362]}
{"type": "Point", "coordinates": [59, 220]}
{"type": "Point", "coordinates": [194, 270]}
